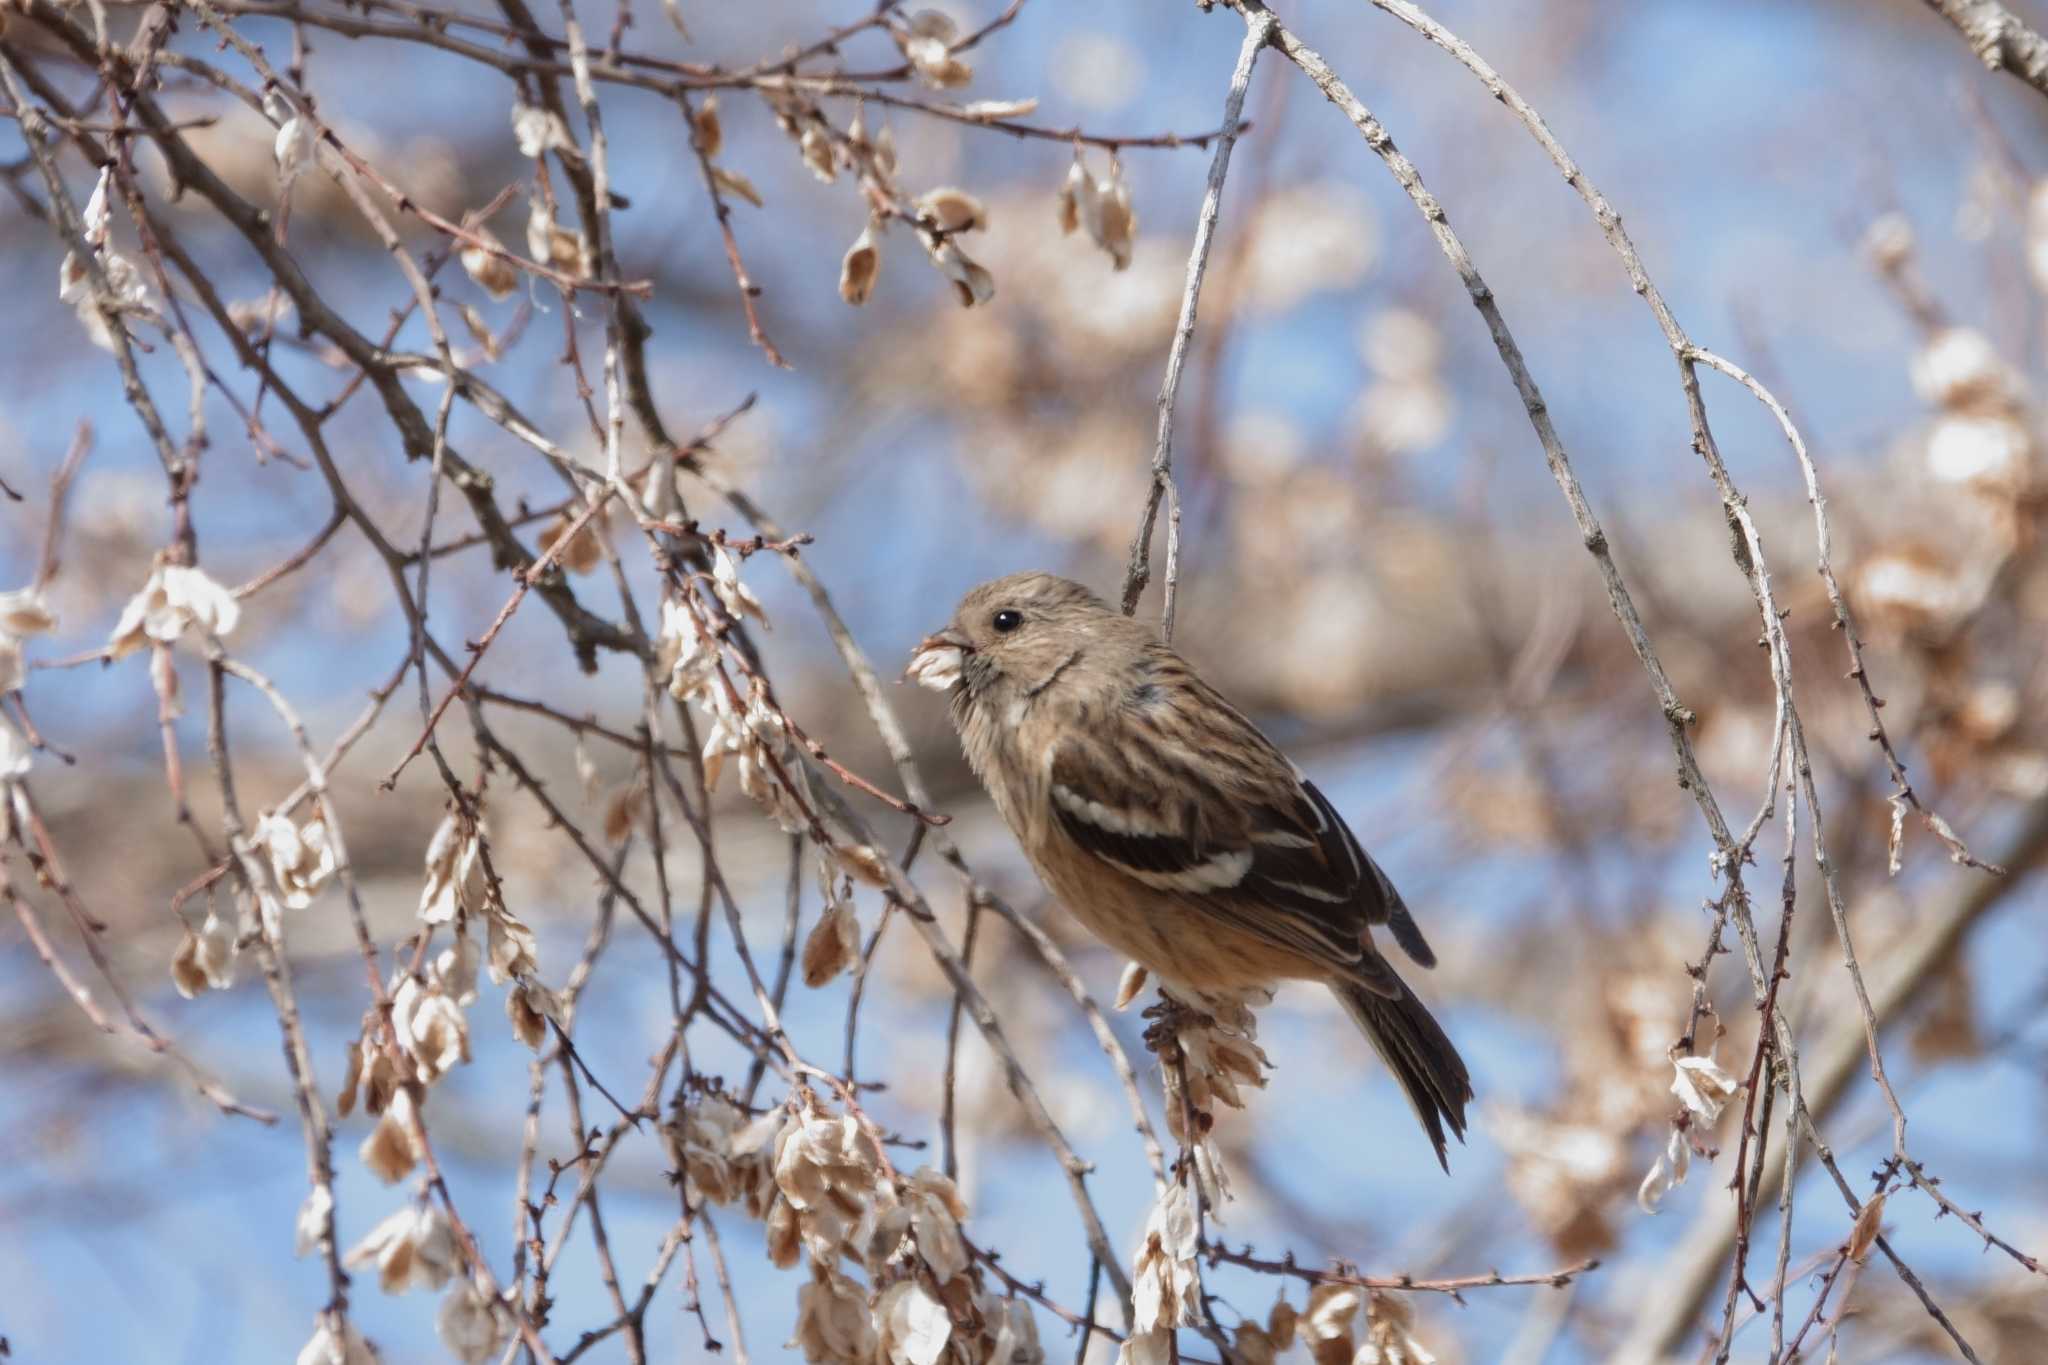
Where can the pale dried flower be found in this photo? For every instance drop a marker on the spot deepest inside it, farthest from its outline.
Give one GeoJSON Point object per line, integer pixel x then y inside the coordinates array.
{"type": "Point", "coordinates": [936, 667]}
{"type": "Point", "coordinates": [1012, 1332]}
{"type": "Point", "coordinates": [971, 283]}
{"type": "Point", "coordinates": [97, 218]}
{"type": "Point", "coordinates": [764, 731]}
{"type": "Point", "coordinates": [1959, 368]}
{"type": "Point", "coordinates": [487, 265]}
{"type": "Point", "coordinates": [722, 1153]}
{"type": "Point", "coordinates": [26, 611]}
{"type": "Point", "coordinates": [584, 550]}
{"type": "Point", "coordinates": [301, 857]}
{"type": "Point", "coordinates": [453, 971]}
{"type": "Point", "coordinates": [314, 1220]}
{"type": "Point", "coordinates": [126, 291]}
{"type": "Point", "coordinates": [991, 110]}
{"type": "Point", "coordinates": [549, 242]}
{"type": "Point", "coordinates": [430, 1027]}
{"type": "Point", "coordinates": [623, 811]}
{"type": "Point", "coordinates": [860, 266]}
{"type": "Point", "coordinates": [816, 148]}
{"type": "Point", "coordinates": [413, 1248]}
{"type": "Point", "coordinates": [725, 736]}
{"type": "Point", "coordinates": [1864, 1232]}
{"type": "Point", "coordinates": [936, 1209]}
{"type": "Point", "coordinates": [1281, 1323]}
{"type": "Point", "coordinates": [1390, 1333]}
{"type": "Point", "coordinates": [832, 947]}
{"type": "Point", "coordinates": [1146, 1348]}
{"type": "Point", "coordinates": [256, 316]}
{"type": "Point", "coordinates": [176, 598]}
{"type": "Point", "coordinates": [540, 131]}
{"type": "Point", "coordinates": [926, 42]}
{"type": "Point", "coordinates": [736, 597]}
{"type": "Point", "coordinates": [1129, 984]}
{"type": "Point", "coordinates": [293, 148]}
{"type": "Point", "coordinates": [1984, 450]}
{"type": "Point", "coordinates": [453, 881]}
{"type": "Point", "coordinates": [334, 1344]}
{"type": "Point", "coordinates": [1667, 1171]}
{"type": "Point", "coordinates": [1703, 1086]}
{"type": "Point", "coordinates": [953, 209]}
{"type": "Point", "coordinates": [1103, 207]}
{"type": "Point", "coordinates": [783, 1234]}
{"type": "Point", "coordinates": [1165, 1285]}
{"type": "Point", "coordinates": [707, 134]}
{"type": "Point", "coordinates": [125, 288]}
{"type": "Point", "coordinates": [530, 1006]}
{"type": "Point", "coordinates": [737, 185]}
{"type": "Point", "coordinates": [914, 1326]}
{"type": "Point", "coordinates": [371, 1070]}
{"type": "Point", "coordinates": [14, 766]}
{"type": "Point", "coordinates": [1326, 1324]}
{"type": "Point", "coordinates": [473, 1326]}
{"type": "Point", "coordinates": [833, 1325]}
{"type": "Point", "coordinates": [1252, 1344]}
{"type": "Point", "coordinates": [390, 1151]}
{"type": "Point", "coordinates": [1118, 221]}
{"type": "Point", "coordinates": [1221, 1051]}
{"type": "Point", "coordinates": [204, 960]}
{"type": "Point", "coordinates": [828, 1173]}
{"type": "Point", "coordinates": [688, 655]}
{"type": "Point", "coordinates": [1888, 241]}
{"type": "Point", "coordinates": [863, 862]}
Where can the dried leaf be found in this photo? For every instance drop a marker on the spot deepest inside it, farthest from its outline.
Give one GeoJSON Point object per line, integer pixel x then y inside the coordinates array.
{"type": "Point", "coordinates": [1869, 1222]}
{"type": "Point", "coordinates": [1000, 109]}
{"type": "Point", "coordinates": [737, 185]}
{"type": "Point", "coordinates": [833, 946]}
{"type": "Point", "coordinates": [1129, 984]}
{"type": "Point", "coordinates": [707, 134]}
{"type": "Point", "coordinates": [487, 267]}
{"type": "Point", "coordinates": [953, 209]}
{"type": "Point", "coordinates": [859, 267]}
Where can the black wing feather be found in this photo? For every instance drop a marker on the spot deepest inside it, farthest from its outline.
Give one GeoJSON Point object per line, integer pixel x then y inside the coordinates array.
{"type": "Point", "coordinates": [1289, 871]}
{"type": "Point", "coordinates": [1373, 889]}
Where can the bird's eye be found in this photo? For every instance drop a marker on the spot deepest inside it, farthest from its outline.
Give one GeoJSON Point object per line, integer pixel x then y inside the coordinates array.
{"type": "Point", "coordinates": [1007, 620]}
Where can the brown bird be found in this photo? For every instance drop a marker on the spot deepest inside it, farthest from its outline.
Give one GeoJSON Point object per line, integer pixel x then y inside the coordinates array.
{"type": "Point", "coordinates": [1171, 827]}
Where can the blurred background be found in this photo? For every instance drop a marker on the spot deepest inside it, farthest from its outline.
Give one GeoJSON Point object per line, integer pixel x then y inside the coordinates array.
{"type": "Point", "coordinates": [1378, 568]}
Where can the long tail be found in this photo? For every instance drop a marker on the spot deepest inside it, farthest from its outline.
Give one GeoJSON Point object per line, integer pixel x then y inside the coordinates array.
{"type": "Point", "coordinates": [1415, 1049]}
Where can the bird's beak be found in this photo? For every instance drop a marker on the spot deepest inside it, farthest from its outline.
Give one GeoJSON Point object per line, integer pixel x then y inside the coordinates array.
{"type": "Point", "coordinates": [936, 661]}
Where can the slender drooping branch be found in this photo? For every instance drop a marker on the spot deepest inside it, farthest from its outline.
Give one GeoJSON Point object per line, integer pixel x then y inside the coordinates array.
{"type": "Point", "coordinates": [2000, 38]}
{"type": "Point", "coordinates": [1258, 32]}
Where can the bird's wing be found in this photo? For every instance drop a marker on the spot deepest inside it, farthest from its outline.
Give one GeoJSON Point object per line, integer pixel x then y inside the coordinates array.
{"type": "Point", "coordinates": [1175, 789]}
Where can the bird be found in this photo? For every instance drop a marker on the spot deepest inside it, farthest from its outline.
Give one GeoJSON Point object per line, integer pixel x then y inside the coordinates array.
{"type": "Point", "coordinates": [1172, 828]}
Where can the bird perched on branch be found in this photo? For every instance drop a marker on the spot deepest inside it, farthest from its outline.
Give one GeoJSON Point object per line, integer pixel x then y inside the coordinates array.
{"type": "Point", "coordinates": [1174, 830]}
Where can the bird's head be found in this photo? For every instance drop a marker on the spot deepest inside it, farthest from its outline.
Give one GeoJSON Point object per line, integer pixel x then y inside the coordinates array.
{"type": "Point", "coordinates": [1015, 631]}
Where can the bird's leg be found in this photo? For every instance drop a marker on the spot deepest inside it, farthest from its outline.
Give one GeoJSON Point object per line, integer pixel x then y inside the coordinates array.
{"type": "Point", "coordinates": [1169, 1016]}
{"type": "Point", "coordinates": [1188, 1121]}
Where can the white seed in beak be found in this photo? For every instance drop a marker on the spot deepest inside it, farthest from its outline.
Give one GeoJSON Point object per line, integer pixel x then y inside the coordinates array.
{"type": "Point", "coordinates": [936, 663]}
